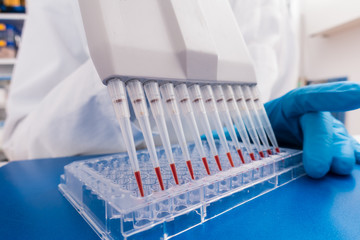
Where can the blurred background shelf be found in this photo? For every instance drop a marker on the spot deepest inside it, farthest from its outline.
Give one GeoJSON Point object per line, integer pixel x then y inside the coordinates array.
{"type": "Point", "coordinates": [7, 61]}
{"type": "Point", "coordinates": [339, 28]}
{"type": "Point", "coordinates": [13, 16]}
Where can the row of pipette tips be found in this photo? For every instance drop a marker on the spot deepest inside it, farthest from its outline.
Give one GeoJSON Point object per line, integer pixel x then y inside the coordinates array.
{"type": "Point", "coordinates": [217, 105]}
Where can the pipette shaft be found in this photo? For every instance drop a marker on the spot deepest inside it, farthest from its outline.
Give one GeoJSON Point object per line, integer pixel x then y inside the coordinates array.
{"type": "Point", "coordinates": [168, 93]}
{"type": "Point", "coordinates": [136, 94]}
{"type": "Point", "coordinates": [117, 94]}
{"type": "Point", "coordinates": [154, 99]}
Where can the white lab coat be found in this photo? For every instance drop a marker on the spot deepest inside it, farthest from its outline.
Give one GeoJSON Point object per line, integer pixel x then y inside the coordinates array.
{"type": "Point", "coordinates": [57, 104]}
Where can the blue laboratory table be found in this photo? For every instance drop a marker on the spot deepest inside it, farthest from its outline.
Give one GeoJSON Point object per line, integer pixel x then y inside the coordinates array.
{"type": "Point", "coordinates": [31, 207]}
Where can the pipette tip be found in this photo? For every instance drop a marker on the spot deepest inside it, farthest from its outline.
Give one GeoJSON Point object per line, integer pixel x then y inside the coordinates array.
{"type": "Point", "coordinates": [206, 165]}
{"type": "Point", "coordinates": [252, 156]}
{"type": "Point", "coordinates": [241, 156]}
{"type": "Point", "coordinates": [261, 154]}
{"type": "Point", "coordinates": [230, 159]}
{"type": "Point", "coordinates": [277, 150]}
{"type": "Point", "coordinates": [191, 171]}
{"type": "Point", "coordinates": [217, 159]}
{"type": "Point", "coordinates": [158, 174]}
{"type": "Point", "coordinates": [173, 170]}
{"type": "Point", "coordinates": [269, 151]}
{"type": "Point", "coordinates": [139, 183]}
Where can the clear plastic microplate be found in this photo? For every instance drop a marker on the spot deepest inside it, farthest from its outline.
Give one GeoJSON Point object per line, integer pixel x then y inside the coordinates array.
{"type": "Point", "coordinates": [104, 190]}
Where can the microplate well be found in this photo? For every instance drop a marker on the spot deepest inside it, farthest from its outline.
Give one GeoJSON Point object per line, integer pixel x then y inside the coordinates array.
{"type": "Point", "coordinates": [104, 190]}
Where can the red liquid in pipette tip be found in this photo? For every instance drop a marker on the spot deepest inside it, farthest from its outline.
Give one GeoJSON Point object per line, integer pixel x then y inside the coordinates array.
{"type": "Point", "coordinates": [206, 165]}
{"type": "Point", "coordinates": [173, 170]}
{"type": "Point", "coordinates": [158, 174]}
{"type": "Point", "coordinates": [139, 183]}
{"type": "Point", "coordinates": [269, 151]}
{"type": "Point", "coordinates": [261, 154]}
{"type": "Point", "coordinates": [252, 156]}
{"type": "Point", "coordinates": [217, 159]}
{"type": "Point", "coordinates": [241, 156]}
{"type": "Point", "coordinates": [277, 150]}
{"type": "Point", "coordinates": [191, 171]}
{"type": "Point", "coordinates": [230, 159]}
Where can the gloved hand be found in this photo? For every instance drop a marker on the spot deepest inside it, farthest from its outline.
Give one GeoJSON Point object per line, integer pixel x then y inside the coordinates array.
{"type": "Point", "coordinates": [301, 118]}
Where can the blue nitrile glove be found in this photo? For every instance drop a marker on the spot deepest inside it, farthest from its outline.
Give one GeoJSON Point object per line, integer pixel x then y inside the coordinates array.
{"type": "Point", "coordinates": [301, 118]}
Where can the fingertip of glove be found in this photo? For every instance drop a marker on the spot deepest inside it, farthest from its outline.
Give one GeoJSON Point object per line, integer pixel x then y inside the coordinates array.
{"type": "Point", "coordinates": [343, 165]}
{"type": "Point", "coordinates": [317, 170]}
{"type": "Point", "coordinates": [315, 166]}
{"type": "Point", "coordinates": [344, 153]}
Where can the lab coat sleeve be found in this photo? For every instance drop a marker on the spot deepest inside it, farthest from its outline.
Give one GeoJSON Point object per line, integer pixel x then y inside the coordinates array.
{"type": "Point", "coordinates": [57, 104]}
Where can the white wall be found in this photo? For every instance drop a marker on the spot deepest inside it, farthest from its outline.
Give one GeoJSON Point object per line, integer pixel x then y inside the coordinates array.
{"type": "Point", "coordinates": [334, 56]}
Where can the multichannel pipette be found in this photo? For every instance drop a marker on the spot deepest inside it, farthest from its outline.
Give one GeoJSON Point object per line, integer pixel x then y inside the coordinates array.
{"type": "Point", "coordinates": [168, 94]}
{"type": "Point", "coordinates": [236, 116]}
{"type": "Point", "coordinates": [213, 115]}
{"type": "Point", "coordinates": [226, 118]}
{"type": "Point", "coordinates": [191, 54]}
{"type": "Point", "coordinates": [199, 108]}
{"type": "Point", "coordinates": [255, 117]}
{"type": "Point", "coordinates": [117, 94]}
{"type": "Point", "coordinates": [245, 114]}
{"type": "Point", "coordinates": [154, 99]}
{"type": "Point", "coordinates": [188, 114]}
{"type": "Point", "coordinates": [137, 97]}
{"type": "Point", "coordinates": [264, 117]}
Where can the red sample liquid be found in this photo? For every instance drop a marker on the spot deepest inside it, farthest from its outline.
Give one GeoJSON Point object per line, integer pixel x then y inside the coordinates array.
{"type": "Point", "coordinates": [206, 165]}
{"type": "Point", "coordinates": [173, 170]}
{"type": "Point", "coordinates": [277, 150]}
{"type": "Point", "coordinates": [158, 174]}
{"type": "Point", "coordinates": [139, 183]}
{"type": "Point", "coordinates": [218, 162]}
{"type": "Point", "coordinates": [230, 159]}
{"type": "Point", "coordinates": [191, 171]}
{"type": "Point", "coordinates": [269, 151]}
{"type": "Point", "coordinates": [261, 154]}
{"type": "Point", "coordinates": [252, 156]}
{"type": "Point", "coordinates": [241, 156]}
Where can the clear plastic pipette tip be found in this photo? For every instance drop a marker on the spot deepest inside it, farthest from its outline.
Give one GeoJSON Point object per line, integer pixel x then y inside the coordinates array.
{"type": "Point", "coordinates": [154, 99]}
{"type": "Point", "coordinates": [237, 118]}
{"type": "Point", "coordinates": [187, 111]}
{"type": "Point", "coordinates": [118, 96]}
{"type": "Point", "coordinates": [264, 118]}
{"type": "Point", "coordinates": [137, 96]}
{"type": "Point", "coordinates": [227, 121]}
{"type": "Point", "coordinates": [199, 108]}
{"type": "Point", "coordinates": [168, 94]}
{"type": "Point", "coordinates": [213, 115]}
{"type": "Point", "coordinates": [243, 108]}
{"type": "Point", "coordinates": [256, 118]}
